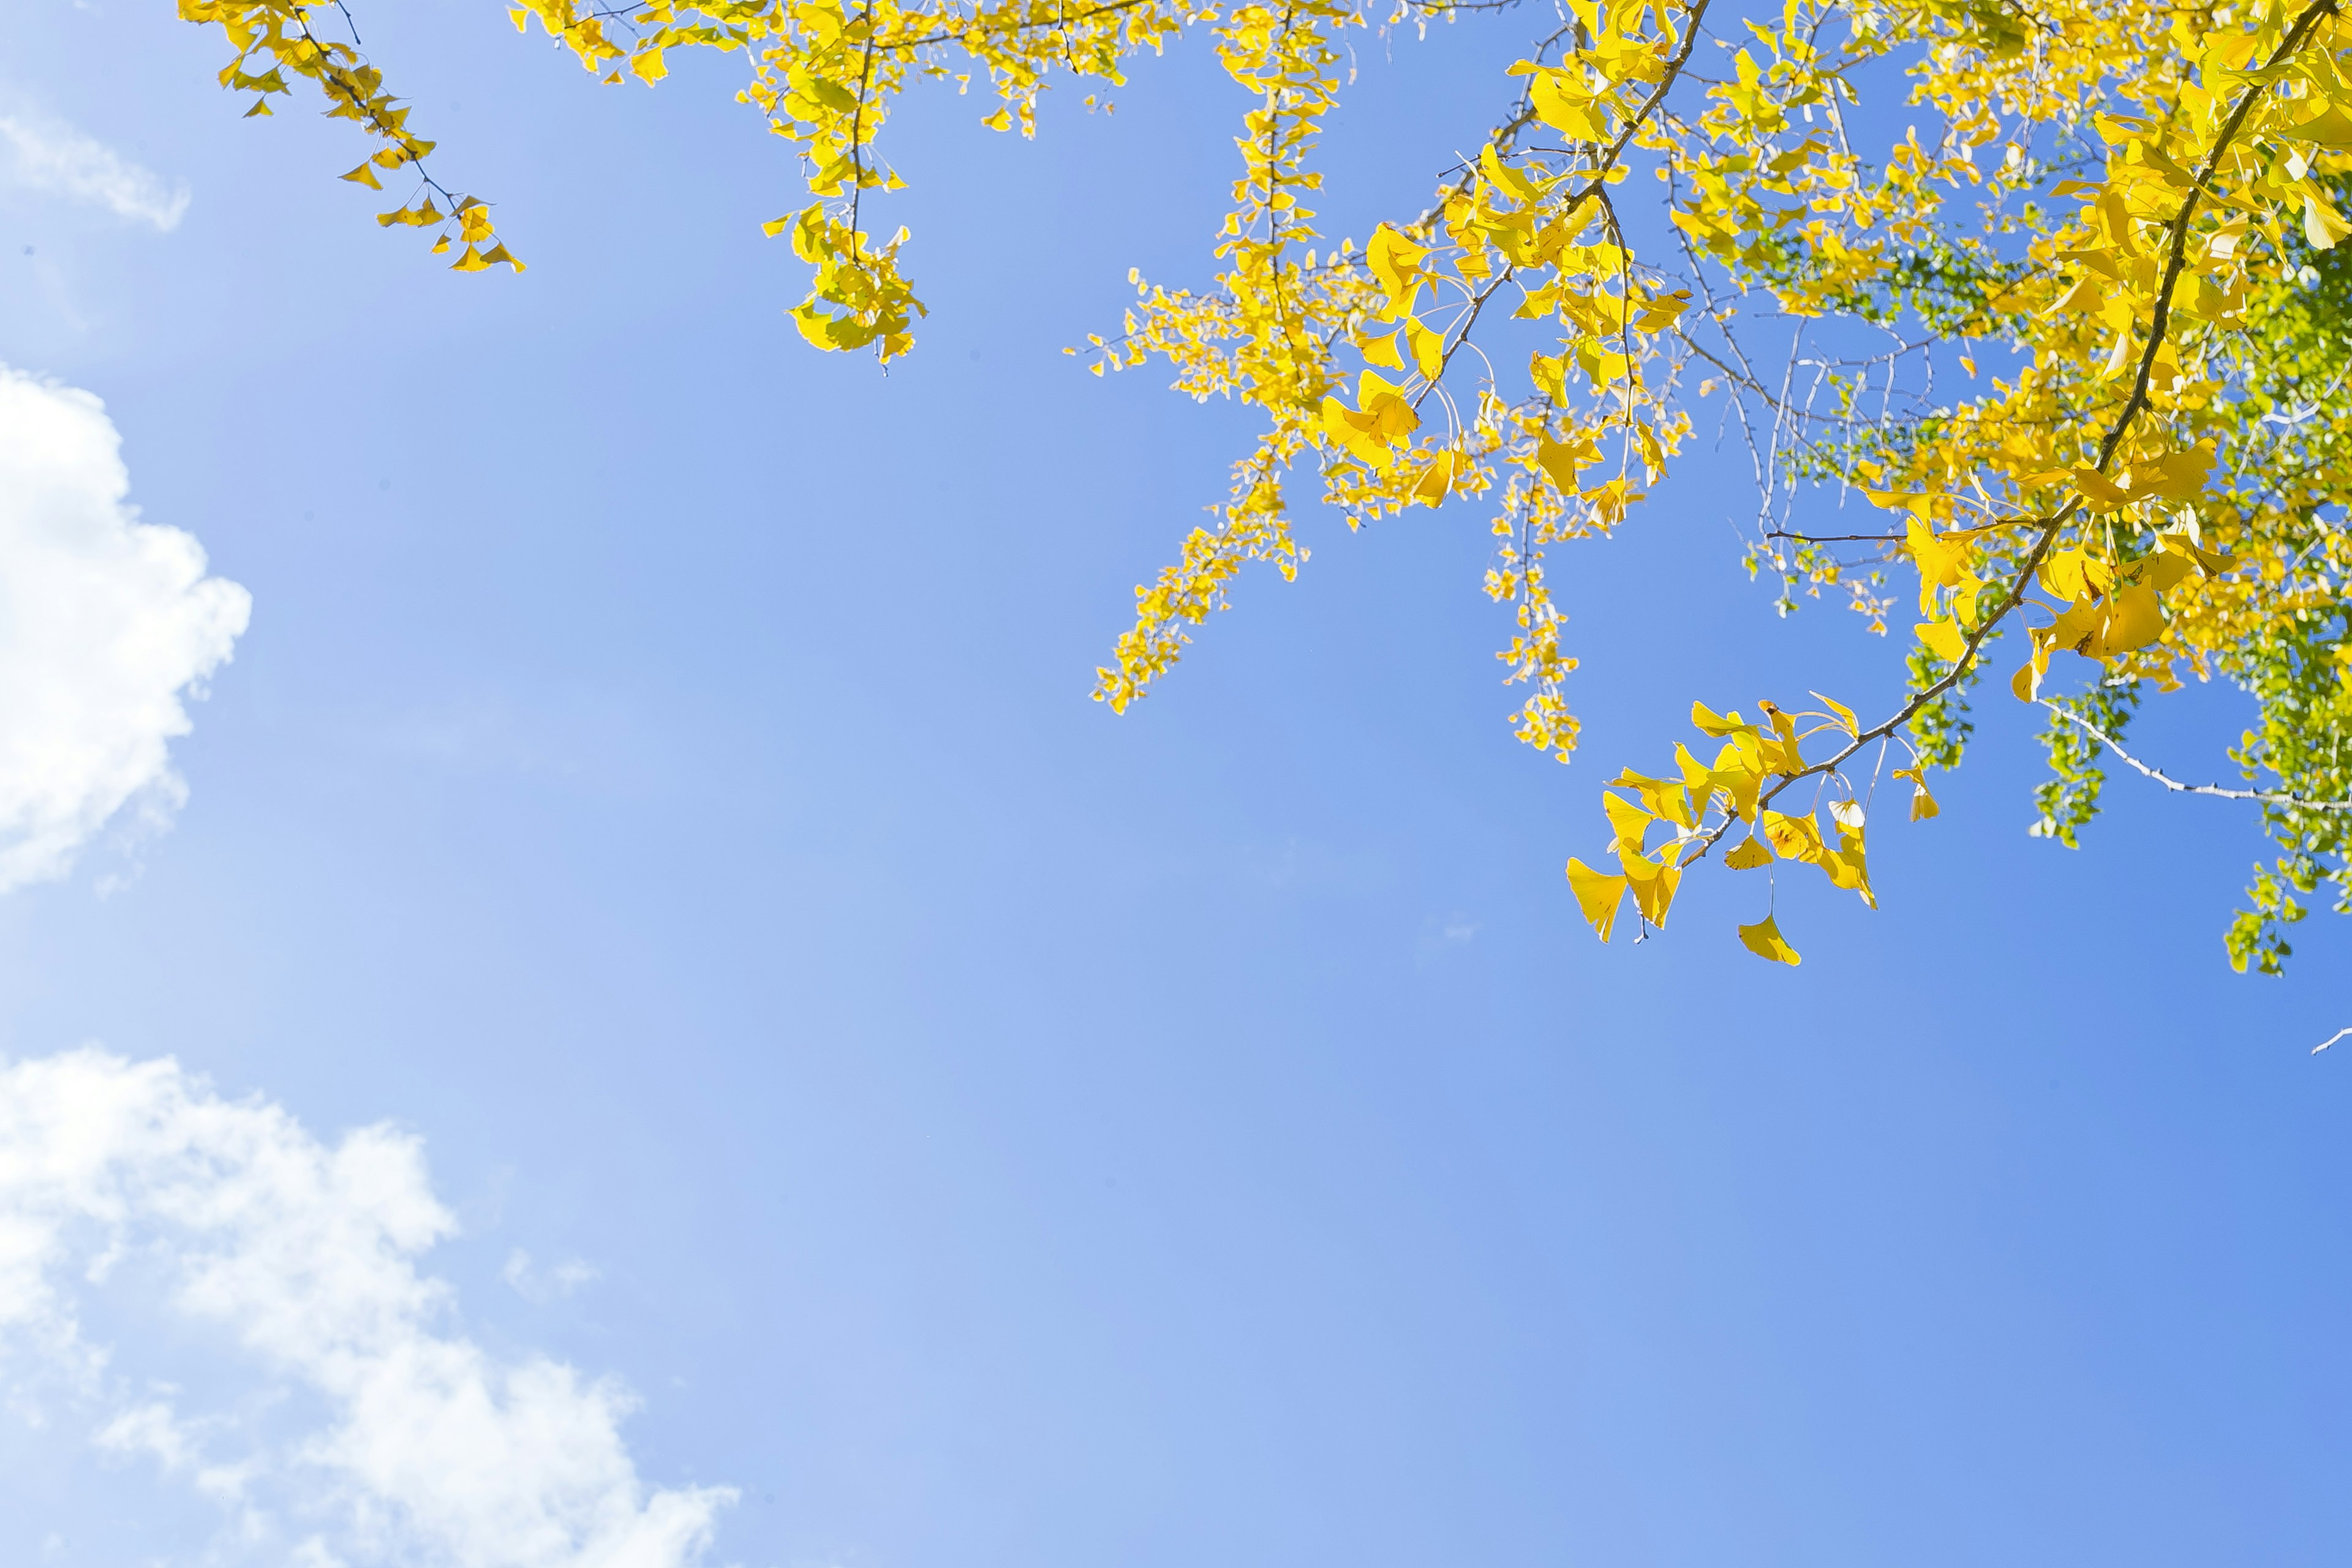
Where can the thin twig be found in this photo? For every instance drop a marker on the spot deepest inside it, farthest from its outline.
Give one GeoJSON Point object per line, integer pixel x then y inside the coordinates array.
{"type": "Point", "coordinates": [2267, 797]}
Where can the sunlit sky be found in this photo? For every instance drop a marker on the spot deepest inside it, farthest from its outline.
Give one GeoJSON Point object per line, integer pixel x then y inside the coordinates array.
{"type": "Point", "coordinates": [648, 1021]}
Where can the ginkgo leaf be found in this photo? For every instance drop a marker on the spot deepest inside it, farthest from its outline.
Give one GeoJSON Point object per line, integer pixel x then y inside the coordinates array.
{"type": "Point", "coordinates": [2177, 475]}
{"type": "Point", "coordinates": [1923, 805]}
{"type": "Point", "coordinates": [1395, 261]}
{"type": "Point", "coordinates": [1664, 798]}
{"type": "Point", "coordinates": [2063, 572]}
{"type": "Point", "coordinates": [1845, 714]}
{"type": "Point", "coordinates": [1944, 639]}
{"type": "Point", "coordinates": [2097, 490]}
{"type": "Point", "coordinates": [1518, 186]}
{"type": "Point", "coordinates": [2134, 618]}
{"type": "Point", "coordinates": [1437, 479]}
{"type": "Point", "coordinates": [1793, 837]}
{"type": "Point", "coordinates": [1598, 895]}
{"type": "Point", "coordinates": [1698, 779]}
{"type": "Point", "coordinates": [2323, 226]}
{"type": "Point", "coordinates": [1749, 854]}
{"type": "Point", "coordinates": [1654, 886]}
{"type": "Point", "coordinates": [1764, 940]}
{"type": "Point", "coordinates": [2027, 682]}
{"type": "Point", "coordinates": [1630, 821]}
{"type": "Point", "coordinates": [1558, 460]}
{"type": "Point", "coordinates": [1709, 722]}
{"type": "Point", "coordinates": [1428, 348]}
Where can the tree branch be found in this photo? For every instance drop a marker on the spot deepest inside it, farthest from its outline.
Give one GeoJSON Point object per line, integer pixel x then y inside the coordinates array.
{"type": "Point", "coordinates": [2267, 797]}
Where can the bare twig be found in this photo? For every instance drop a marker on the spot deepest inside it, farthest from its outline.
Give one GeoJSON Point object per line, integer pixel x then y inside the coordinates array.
{"type": "Point", "coordinates": [2267, 797]}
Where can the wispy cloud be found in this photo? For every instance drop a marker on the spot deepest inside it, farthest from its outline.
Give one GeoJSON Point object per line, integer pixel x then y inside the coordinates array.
{"type": "Point", "coordinates": [406, 1443]}
{"type": "Point", "coordinates": [45, 155]}
{"type": "Point", "coordinates": [105, 623]}
{"type": "Point", "coordinates": [538, 1285]}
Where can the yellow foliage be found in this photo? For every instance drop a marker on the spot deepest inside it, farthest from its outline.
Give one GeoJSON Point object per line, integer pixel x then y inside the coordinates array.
{"type": "Point", "coordinates": [2098, 213]}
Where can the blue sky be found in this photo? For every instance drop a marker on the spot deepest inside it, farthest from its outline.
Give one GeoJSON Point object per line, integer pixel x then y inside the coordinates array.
{"type": "Point", "coordinates": [656, 790]}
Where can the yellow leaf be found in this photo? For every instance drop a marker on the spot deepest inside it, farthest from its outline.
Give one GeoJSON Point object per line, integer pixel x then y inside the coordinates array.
{"type": "Point", "coordinates": [1630, 822]}
{"type": "Point", "coordinates": [1520, 188]}
{"type": "Point", "coordinates": [1711, 723]}
{"type": "Point", "coordinates": [1923, 805]}
{"type": "Point", "coordinates": [2135, 617]}
{"type": "Point", "coordinates": [649, 67]}
{"type": "Point", "coordinates": [2027, 682]}
{"type": "Point", "coordinates": [2098, 491]}
{"type": "Point", "coordinates": [1598, 895]}
{"type": "Point", "coordinates": [363, 175]}
{"type": "Point", "coordinates": [1750, 854]}
{"type": "Point", "coordinates": [1659, 797]}
{"type": "Point", "coordinates": [2062, 573]}
{"type": "Point", "coordinates": [1944, 639]}
{"type": "Point", "coordinates": [1740, 772]}
{"type": "Point", "coordinates": [1395, 261]}
{"type": "Point", "coordinates": [470, 262]}
{"type": "Point", "coordinates": [1845, 714]}
{"type": "Point", "coordinates": [1846, 866]}
{"type": "Point", "coordinates": [1764, 940]}
{"type": "Point", "coordinates": [2322, 224]}
{"type": "Point", "coordinates": [1699, 779]}
{"type": "Point", "coordinates": [1795, 838]}
{"type": "Point", "coordinates": [1558, 459]}
{"type": "Point", "coordinates": [1435, 480]}
{"type": "Point", "coordinates": [1383, 351]}
{"type": "Point", "coordinates": [1654, 886]}
{"type": "Point", "coordinates": [1943, 561]}
{"type": "Point", "coordinates": [2177, 475]}
{"type": "Point", "coordinates": [1428, 348]}
{"type": "Point", "coordinates": [2084, 296]}
{"type": "Point", "coordinates": [2182, 545]}
{"type": "Point", "coordinates": [260, 106]}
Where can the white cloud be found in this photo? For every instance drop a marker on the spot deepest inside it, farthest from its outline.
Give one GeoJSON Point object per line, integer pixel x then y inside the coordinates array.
{"type": "Point", "coordinates": [360, 1428]}
{"type": "Point", "coordinates": [49, 156]}
{"type": "Point", "coordinates": [104, 621]}
{"type": "Point", "coordinates": [535, 1284]}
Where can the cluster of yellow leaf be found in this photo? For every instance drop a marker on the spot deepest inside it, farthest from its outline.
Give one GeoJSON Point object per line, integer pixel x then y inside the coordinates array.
{"type": "Point", "coordinates": [277, 36]}
{"type": "Point", "coordinates": [2111, 216]}
{"type": "Point", "coordinates": [825, 73]}
{"type": "Point", "coordinates": [1264, 334]}
{"type": "Point", "coordinates": [1408, 302]}
{"type": "Point", "coordinates": [2066, 494]}
{"type": "Point", "coordinates": [1702, 802]}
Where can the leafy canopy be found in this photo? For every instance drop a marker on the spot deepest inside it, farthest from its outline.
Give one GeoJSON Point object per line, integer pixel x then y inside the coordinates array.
{"type": "Point", "coordinates": [2110, 226]}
